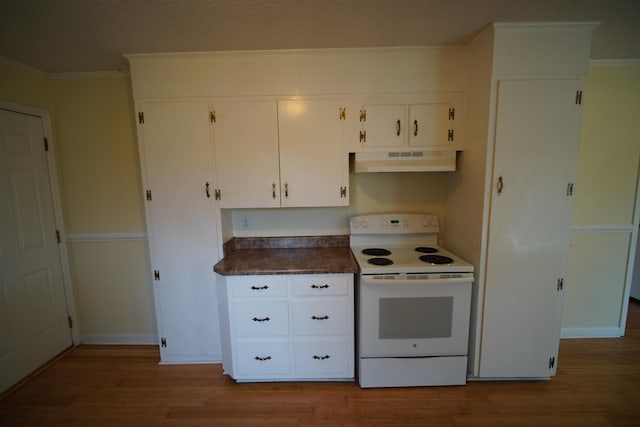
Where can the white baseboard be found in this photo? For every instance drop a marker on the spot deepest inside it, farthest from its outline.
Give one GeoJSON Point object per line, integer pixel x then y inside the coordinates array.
{"type": "Point", "coordinates": [590, 333]}
{"type": "Point", "coordinates": [127, 339]}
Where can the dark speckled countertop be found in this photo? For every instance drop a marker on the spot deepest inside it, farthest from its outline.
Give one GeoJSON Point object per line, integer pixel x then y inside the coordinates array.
{"type": "Point", "coordinates": [287, 255]}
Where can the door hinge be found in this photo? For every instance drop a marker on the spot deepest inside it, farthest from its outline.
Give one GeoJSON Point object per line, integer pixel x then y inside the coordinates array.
{"type": "Point", "coordinates": [560, 284]}
{"type": "Point", "coordinates": [363, 136]}
{"type": "Point", "coordinates": [363, 115]}
{"type": "Point", "coordinates": [58, 239]}
{"type": "Point", "coordinates": [342, 113]}
{"type": "Point", "coordinates": [552, 362]}
{"type": "Point", "coordinates": [343, 191]}
{"type": "Point", "coordinates": [141, 117]}
{"type": "Point", "coordinates": [212, 116]}
{"type": "Point", "coordinates": [46, 145]}
{"type": "Point", "coordinates": [156, 274]}
{"type": "Point", "coordinates": [70, 320]}
{"type": "Point", "coordinates": [217, 194]}
{"type": "Point", "coordinates": [149, 197]}
{"type": "Point", "coordinates": [163, 342]}
{"type": "Point", "coordinates": [570, 189]}
{"type": "Point", "coordinates": [452, 113]}
{"type": "Point", "coordinates": [450, 135]}
{"type": "Point", "coordinates": [578, 97]}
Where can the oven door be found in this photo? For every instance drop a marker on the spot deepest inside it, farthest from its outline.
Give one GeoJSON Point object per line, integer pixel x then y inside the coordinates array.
{"type": "Point", "coordinates": [414, 315]}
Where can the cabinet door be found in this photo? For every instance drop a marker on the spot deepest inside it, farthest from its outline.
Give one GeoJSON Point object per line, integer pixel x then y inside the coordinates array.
{"type": "Point", "coordinates": [176, 155]}
{"type": "Point", "coordinates": [430, 125]}
{"type": "Point", "coordinates": [313, 164]}
{"type": "Point", "coordinates": [535, 156]}
{"type": "Point", "coordinates": [246, 146]}
{"type": "Point", "coordinates": [384, 125]}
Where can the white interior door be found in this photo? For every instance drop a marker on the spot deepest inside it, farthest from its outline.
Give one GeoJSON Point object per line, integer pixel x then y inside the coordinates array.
{"type": "Point", "coordinates": [178, 164]}
{"type": "Point", "coordinates": [535, 155]}
{"type": "Point", "coordinates": [33, 308]}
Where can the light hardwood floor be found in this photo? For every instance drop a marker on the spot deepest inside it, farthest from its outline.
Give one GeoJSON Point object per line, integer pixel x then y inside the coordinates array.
{"type": "Point", "coordinates": [598, 384]}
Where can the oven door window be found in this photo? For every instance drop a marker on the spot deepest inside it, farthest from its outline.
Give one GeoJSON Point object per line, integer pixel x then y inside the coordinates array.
{"type": "Point", "coordinates": [415, 318]}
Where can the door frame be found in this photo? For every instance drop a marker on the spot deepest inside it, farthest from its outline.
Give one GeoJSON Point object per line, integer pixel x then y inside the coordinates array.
{"type": "Point", "coordinates": [631, 265]}
{"type": "Point", "coordinates": [47, 129]}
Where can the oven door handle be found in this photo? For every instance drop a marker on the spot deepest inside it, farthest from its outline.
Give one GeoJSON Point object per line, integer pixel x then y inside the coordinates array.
{"type": "Point", "coordinates": [417, 282]}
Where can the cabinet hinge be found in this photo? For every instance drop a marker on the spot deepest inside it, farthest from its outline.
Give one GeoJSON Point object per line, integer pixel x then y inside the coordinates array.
{"type": "Point", "coordinates": [560, 284]}
{"type": "Point", "coordinates": [343, 191]}
{"type": "Point", "coordinates": [363, 115]}
{"type": "Point", "coordinates": [156, 274]}
{"type": "Point", "coordinates": [363, 136]}
{"type": "Point", "coordinates": [450, 135]}
{"type": "Point", "coordinates": [58, 239]}
{"type": "Point", "coordinates": [46, 145]}
{"type": "Point", "coordinates": [342, 113]}
{"type": "Point", "coordinates": [552, 362]}
{"type": "Point", "coordinates": [70, 320]}
{"type": "Point", "coordinates": [149, 197]}
{"type": "Point", "coordinates": [452, 113]}
{"type": "Point", "coordinates": [141, 117]}
{"type": "Point", "coordinates": [217, 194]}
{"type": "Point", "coordinates": [163, 342]}
{"type": "Point", "coordinates": [212, 116]}
{"type": "Point", "coordinates": [578, 97]}
{"type": "Point", "coordinates": [570, 189]}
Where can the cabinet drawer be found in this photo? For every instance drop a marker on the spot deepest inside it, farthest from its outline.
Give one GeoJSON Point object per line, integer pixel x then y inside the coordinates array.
{"type": "Point", "coordinates": [257, 286]}
{"type": "Point", "coordinates": [324, 317]}
{"type": "Point", "coordinates": [262, 358]}
{"type": "Point", "coordinates": [320, 285]}
{"type": "Point", "coordinates": [324, 358]}
{"type": "Point", "coordinates": [263, 318]}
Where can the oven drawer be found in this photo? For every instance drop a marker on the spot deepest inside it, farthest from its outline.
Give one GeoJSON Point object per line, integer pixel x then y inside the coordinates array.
{"type": "Point", "coordinates": [325, 317]}
{"type": "Point", "coordinates": [317, 285]}
{"type": "Point", "coordinates": [257, 286]}
{"type": "Point", "coordinates": [262, 358]}
{"type": "Point", "coordinates": [324, 358]}
{"type": "Point", "coordinates": [262, 318]}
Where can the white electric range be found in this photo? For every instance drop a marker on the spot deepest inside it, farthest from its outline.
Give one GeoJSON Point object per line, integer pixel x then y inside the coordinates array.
{"type": "Point", "coordinates": [413, 303]}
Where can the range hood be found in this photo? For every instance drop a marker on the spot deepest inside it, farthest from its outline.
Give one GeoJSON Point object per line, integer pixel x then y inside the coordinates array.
{"type": "Point", "coordinates": [405, 161]}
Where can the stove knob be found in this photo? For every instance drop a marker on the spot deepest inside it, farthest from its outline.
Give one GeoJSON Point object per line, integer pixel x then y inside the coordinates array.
{"type": "Point", "coordinates": [359, 224]}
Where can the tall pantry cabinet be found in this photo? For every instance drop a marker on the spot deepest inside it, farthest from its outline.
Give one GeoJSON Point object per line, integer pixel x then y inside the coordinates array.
{"type": "Point", "coordinates": [510, 210]}
{"type": "Point", "coordinates": [176, 155]}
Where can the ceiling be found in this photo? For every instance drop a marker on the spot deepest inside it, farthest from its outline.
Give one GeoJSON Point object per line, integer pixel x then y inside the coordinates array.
{"type": "Point", "coordinates": [59, 36]}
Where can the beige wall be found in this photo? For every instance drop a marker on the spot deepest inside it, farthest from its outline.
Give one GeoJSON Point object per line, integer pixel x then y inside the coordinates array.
{"type": "Point", "coordinates": [97, 162]}
{"type": "Point", "coordinates": [21, 85]}
{"type": "Point", "coordinates": [605, 200]}
{"type": "Point", "coordinates": [102, 201]}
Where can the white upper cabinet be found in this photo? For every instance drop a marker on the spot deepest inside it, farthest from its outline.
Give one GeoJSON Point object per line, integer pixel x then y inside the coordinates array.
{"type": "Point", "coordinates": [246, 146]}
{"type": "Point", "coordinates": [314, 167]}
{"type": "Point", "coordinates": [407, 125]}
{"type": "Point", "coordinates": [272, 153]}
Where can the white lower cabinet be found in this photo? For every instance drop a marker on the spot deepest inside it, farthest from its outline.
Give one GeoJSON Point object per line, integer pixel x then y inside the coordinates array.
{"type": "Point", "coordinates": [288, 327]}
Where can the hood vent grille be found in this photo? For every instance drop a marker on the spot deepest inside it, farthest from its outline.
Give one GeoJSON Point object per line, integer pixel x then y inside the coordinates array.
{"type": "Point", "coordinates": [405, 161]}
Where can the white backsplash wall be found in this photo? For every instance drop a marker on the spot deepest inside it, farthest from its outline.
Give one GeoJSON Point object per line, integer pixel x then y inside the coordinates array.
{"type": "Point", "coordinates": [370, 193]}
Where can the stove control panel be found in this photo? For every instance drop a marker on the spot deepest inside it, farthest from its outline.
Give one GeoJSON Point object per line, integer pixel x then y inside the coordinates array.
{"type": "Point", "coordinates": [394, 224]}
